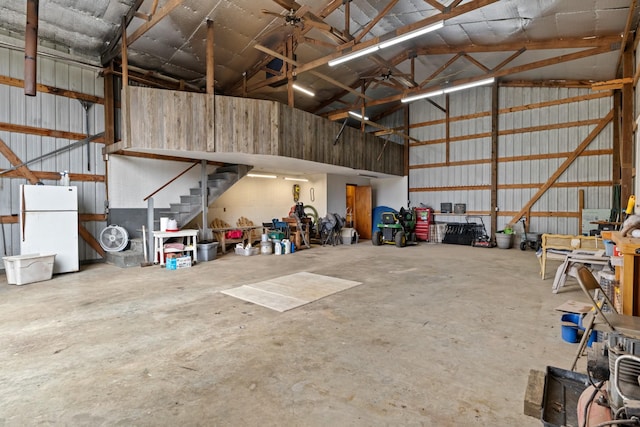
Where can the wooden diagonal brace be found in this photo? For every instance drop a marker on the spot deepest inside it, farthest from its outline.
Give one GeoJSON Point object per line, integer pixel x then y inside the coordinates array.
{"type": "Point", "coordinates": [564, 166]}
{"type": "Point", "coordinates": [15, 161]}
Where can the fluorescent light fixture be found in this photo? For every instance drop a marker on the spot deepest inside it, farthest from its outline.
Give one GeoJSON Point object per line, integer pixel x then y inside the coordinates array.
{"type": "Point", "coordinates": [261, 175]}
{"type": "Point", "coordinates": [412, 34]}
{"type": "Point", "coordinates": [470, 85]}
{"type": "Point", "coordinates": [395, 40]}
{"type": "Point", "coordinates": [288, 178]}
{"type": "Point", "coordinates": [449, 89]}
{"type": "Point", "coordinates": [303, 90]}
{"type": "Point", "coordinates": [359, 116]}
{"type": "Point", "coordinates": [354, 55]}
{"type": "Point", "coordinates": [423, 95]}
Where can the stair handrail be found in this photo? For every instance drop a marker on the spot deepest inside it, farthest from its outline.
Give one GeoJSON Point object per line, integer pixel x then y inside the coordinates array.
{"type": "Point", "coordinates": [170, 181]}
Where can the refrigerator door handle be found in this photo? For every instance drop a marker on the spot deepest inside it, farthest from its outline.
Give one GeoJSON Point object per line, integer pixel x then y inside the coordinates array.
{"type": "Point", "coordinates": [23, 213]}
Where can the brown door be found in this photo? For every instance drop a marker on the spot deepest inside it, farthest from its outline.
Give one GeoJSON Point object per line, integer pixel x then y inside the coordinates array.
{"type": "Point", "coordinates": [362, 211]}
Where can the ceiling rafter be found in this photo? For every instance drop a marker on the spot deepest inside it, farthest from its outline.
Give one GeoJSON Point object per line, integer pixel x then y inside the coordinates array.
{"type": "Point", "coordinates": [298, 36]}
{"type": "Point", "coordinates": [606, 41]}
{"type": "Point", "coordinates": [625, 34]}
{"type": "Point", "coordinates": [375, 20]}
{"type": "Point", "coordinates": [315, 73]}
{"type": "Point", "coordinates": [509, 59]}
{"type": "Point", "coordinates": [499, 73]}
{"type": "Point", "coordinates": [475, 62]}
{"type": "Point", "coordinates": [460, 10]}
{"type": "Point", "coordinates": [441, 69]}
{"type": "Point", "coordinates": [436, 5]}
{"type": "Point", "coordinates": [157, 17]}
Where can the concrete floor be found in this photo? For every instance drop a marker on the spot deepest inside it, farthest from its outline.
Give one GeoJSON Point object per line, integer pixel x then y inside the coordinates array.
{"type": "Point", "coordinates": [437, 335]}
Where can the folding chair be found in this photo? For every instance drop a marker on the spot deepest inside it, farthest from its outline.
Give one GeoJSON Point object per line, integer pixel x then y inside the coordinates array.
{"type": "Point", "coordinates": [598, 320]}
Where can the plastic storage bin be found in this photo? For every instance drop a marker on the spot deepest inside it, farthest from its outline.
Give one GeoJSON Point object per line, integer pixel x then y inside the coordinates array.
{"type": "Point", "coordinates": [30, 268]}
{"type": "Point", "coordinates": [207, 251]}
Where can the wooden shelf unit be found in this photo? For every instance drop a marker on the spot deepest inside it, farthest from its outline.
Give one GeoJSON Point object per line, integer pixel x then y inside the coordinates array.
{"type": "Point", "coordinates": [628, 274]}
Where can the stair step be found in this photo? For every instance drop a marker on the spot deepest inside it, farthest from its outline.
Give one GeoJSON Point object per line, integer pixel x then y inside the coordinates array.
{"type": "Point", "coordinates": [228, 168]}
{"type": "Point", "coordinates": [223, 175]}
{"type": "Point", "coordinates": [195, 191]}
{"type": "Point", "coordinates": [180, 207]}
{"type": "Point", "coordinates": [192, 200]}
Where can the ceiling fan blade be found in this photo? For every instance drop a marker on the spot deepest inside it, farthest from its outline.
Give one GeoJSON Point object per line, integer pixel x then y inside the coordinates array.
{"type": "Point", "coordinates": [268, 12]}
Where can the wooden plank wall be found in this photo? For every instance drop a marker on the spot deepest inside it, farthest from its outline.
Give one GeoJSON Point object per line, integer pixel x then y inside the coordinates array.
{"type": "Point", "coordinates": [182, 121]}
{"type": "Point", "coordinates": [168, 120]}
{"type": "Point", "coordinates": [309, 137]}
{"type": "Point", "coordinates": [246, 125]}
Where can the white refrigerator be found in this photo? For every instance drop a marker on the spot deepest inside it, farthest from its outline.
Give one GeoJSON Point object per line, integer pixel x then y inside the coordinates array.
{"type": "Point", "coordinates": [49, 224]}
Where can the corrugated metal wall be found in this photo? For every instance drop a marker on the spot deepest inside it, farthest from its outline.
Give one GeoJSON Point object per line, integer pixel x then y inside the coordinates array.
{"type": "Point", "coordinates": [528, 132]}
{"type": "Point", "coordinates": [52, 112]}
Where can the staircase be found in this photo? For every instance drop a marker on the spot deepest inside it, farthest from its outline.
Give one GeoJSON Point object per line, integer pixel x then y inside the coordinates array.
{"type": "Point", "coordinates": [190, 205]}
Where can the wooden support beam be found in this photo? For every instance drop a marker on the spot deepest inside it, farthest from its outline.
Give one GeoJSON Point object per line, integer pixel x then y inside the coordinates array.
{"type": "Point", "coordinates": [210, 58]}
{"type": "Point", "coordinates": [476, 62]}
{"type": "Point", "coordinates": [31, 47]}
{"type": "Point", "coordinates": [447, 130]}
{"type": "Point", "coordinates": [495, 108]}
{"type": "Point", "coordinates": [625, 35]}
{"type": "Point", "coordinates": [525, 158]}
{"type": "Point", "coordinates": [617, 132]}
{"type": "Point", "coordinates": [157, 17]}
{"type": "Point", "coordinates": [460, 10]}
{"type": "Point", "coordinates": [54, 176]}
{"type": "Point", "coordinates": [627, 140]}
{"type": "Point", "coordinates": [23, 171]}
{"type": "Point", "coordinates": [13, 219]}
{"type": "Point", "coordinates": [162, 157]}
{"type": "Point", "coordinates": [487, 187]}
{"type": "Point", "coordinates": [436, 5]}
{"type": "Point", "coordinates": [10, 81]}
{"type": "Point", "coordinates": [375, 20]}
{"type": "Point", "coordinates": [509, 59]}
{"type": "Point", "coordinates": [580, 208]}
{"type": "Point", "coordinates": [32, 130]}
{"type": "Point", "coordinates": [611, 84]}
{"type": "Point", "coordinates": [563, 167]}
{"type": "Point", "coordinates": [109, 109]}
{"type": "Point", "coordinates": [91, 241]}
{"type": "Point", "coordinates": [510, 132]}
{"type": "Point", "coordinates": [319, 75]}
{"type": "Point", "coordinates": [407, 121]}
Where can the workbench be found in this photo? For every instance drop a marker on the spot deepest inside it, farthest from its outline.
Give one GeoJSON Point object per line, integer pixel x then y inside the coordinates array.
{"type": "Point", "coordinates": [158, 244]}
{"type": "Point", "coordinates": [220, 234]}
{"type": "Point", "coordinates": [557, 246]}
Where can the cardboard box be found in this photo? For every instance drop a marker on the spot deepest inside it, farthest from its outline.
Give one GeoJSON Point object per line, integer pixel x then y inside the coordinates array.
{"type": "Point", "coordinates": [183, 262]}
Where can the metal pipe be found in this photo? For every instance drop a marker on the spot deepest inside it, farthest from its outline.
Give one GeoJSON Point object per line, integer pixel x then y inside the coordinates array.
{"type": "Point", "coordinates": [31, 48]}
{"type": "Point", "coordinates": [87, 105]}
{"type": "Point", "coordinates": [54, 152]}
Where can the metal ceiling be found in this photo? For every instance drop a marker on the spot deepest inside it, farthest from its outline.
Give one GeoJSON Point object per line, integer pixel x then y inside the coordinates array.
{"type": "Point", "coordinates": [511, 39]}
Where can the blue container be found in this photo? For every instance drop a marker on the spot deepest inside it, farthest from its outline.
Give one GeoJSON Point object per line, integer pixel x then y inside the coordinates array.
{"type": "Point", "coordinates": [569, 327]}
{"type": "Point", "coordinates": [572, 328]}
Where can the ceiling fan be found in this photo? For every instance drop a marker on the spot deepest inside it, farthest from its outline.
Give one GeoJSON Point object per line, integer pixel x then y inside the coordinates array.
{"type": "Point", "coordinates": [390, 78]}
{"type": "Point", "coordinates": [292, 17]}
{"type": "Point", "coordinates": [298, 17]}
